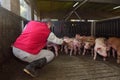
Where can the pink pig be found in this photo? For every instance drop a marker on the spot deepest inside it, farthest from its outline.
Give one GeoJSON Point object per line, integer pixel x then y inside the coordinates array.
{"type": "Point", "coordinates": [55, 46]}
{"type": "Point", "coordinates": [100, 48]}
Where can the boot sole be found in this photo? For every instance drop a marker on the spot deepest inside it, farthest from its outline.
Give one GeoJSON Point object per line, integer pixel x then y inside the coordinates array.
{"type": "Point", "coordinates": [26, 71]}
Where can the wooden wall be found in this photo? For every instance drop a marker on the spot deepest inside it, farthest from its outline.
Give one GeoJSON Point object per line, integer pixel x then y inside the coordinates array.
{"type": "Point", "coordinates": [10, 28]}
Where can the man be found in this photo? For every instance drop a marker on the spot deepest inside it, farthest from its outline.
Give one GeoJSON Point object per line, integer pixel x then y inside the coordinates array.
{"type": "Point", "coordinates": [29, 45]}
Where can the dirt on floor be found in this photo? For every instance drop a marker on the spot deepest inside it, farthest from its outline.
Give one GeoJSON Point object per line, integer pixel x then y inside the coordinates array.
{"type": "Point", "coordinates": [65, 67]}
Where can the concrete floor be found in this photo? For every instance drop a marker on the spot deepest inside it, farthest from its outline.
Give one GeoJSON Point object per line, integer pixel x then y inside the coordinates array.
{"type": "Point", "coordinates": [65, 67]}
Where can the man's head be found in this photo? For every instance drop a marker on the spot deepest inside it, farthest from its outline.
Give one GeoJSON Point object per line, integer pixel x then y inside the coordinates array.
{"type": "Point", "coordinates": [47, 21]}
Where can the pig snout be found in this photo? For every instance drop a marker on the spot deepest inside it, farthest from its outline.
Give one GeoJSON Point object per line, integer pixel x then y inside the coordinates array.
{"type": "Point", "coordinates": [104, 54]}
{"type": "Point", "coordinates": [87, 46]}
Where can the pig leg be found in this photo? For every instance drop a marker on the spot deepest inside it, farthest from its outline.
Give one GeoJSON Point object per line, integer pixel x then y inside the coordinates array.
{"type": "Point", "coordinates": [92, 51]}
{"type": "Point", "coordinates": [75, 50]}
{"type": "Point", "coordinates": [108, 52]}
{"type": "Point", "coordinates": [62, 48]}
{"type": "Point", "coordinates": [118, 61]}
{"type": "Point", "coordinates": [104, 59]}
{"type": "Point", "coordinates": [87, 51]}
{"type": "Point", "coordinates": [84, 51]}
{"type": "Point", "coordinates": [49, 47]}
{"type": "Point", "coordinates": [71, 50]}
{"type": "Point", "coordinates": [118, 57]}
{"type": "Point", "coordinates": [79, 50]}
{"type": "Point", "coordinates": [56, 50]}
{"type": "Point", "coordinates": [113, 53]}
{"type": "Point", "coordinates": [66, 49]}
{"type": "Point", "coordinates": [95, 54]}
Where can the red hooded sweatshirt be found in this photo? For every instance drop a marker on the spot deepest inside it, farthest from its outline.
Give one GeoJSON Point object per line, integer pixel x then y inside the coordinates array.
{"type": "Point", "coordinates": [33, 38]}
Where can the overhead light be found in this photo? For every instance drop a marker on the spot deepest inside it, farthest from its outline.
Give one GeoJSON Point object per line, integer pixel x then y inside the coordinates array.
{"type": "Point", "coordinates": [76, 4]}
{"type": "Point", "coordinates": [116, 7]}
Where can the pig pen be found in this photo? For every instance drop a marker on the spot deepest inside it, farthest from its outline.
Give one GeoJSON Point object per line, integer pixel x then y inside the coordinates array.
{"type": "Point", "coordinates": [65, 67]}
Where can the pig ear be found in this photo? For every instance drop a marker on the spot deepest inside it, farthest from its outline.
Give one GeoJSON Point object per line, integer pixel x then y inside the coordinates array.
{"type": "Point", "coordinates": [98, 48]}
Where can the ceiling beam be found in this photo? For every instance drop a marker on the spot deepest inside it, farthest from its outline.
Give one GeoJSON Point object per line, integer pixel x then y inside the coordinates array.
{"type": "Point", "coordinates": [98, 1]}
{"type": "Point", "coordinates": [75, 10]}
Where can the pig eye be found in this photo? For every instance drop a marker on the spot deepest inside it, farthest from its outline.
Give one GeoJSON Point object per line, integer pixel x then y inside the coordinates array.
{"type": "Point", "coordinates": [98, 48]}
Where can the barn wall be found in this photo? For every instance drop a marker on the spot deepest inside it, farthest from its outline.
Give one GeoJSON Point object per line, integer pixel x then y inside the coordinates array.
{"type": "Point", "coordinates": [10, 28]}
{"type": "Point", "coordinates": [108, 28]}
{"type": "Point", "coordinates": [15, 6]}
{"type": "Point", "coordinates": [70, 29]}
{"type": "Point", "coordinates": [103, 28]}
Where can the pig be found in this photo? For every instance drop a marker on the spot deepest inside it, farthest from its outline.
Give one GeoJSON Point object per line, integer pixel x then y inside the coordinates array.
{"type": "Point", "coordinates": [73, 45]}
{"type": "Point", "coordinates": [100, 48]}
{"type": "Point", "coordinates": [80, 38]}
{"type": "Point", "coordinates": [55, 46]}
{"type": "Point", "coordinates": [68, 45]}
{"type": "Point", "coordinates": [77, 36]}
{"type": "Point", "coordinates": [114, 42]}
{"type": "Point", "coordinates": [77, 46]}
{"type": "Point", "coordinates": [89, 44]}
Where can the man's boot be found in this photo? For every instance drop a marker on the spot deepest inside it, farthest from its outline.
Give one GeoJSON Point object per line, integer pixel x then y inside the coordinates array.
{"type": "Point", "coordinates": [31, 68]}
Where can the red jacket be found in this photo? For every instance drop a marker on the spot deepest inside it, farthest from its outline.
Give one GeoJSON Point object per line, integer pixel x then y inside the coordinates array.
{"type": "Point", "coordinates": [33, 38]}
